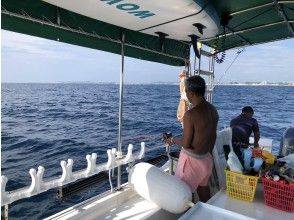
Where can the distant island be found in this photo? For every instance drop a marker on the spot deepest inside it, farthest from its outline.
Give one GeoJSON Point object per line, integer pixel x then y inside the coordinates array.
{"type": "Point", "coordinates": [263, 83]}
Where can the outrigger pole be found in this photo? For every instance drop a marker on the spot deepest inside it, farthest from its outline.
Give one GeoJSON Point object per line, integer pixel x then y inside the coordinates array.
{"type": "Point", "coordinates": [121, 91]}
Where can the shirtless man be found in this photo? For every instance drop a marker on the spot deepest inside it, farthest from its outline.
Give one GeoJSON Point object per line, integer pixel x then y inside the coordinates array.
{"type": "Point", "coordinates": [199, 135]}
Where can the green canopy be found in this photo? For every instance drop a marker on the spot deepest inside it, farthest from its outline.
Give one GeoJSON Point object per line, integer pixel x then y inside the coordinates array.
{"type": "Point", "coordinates": [246, 23]}
{"type": "Point", "coordinates": [38, 18]}
{"type": "Point", "coordinates": [252, 22]}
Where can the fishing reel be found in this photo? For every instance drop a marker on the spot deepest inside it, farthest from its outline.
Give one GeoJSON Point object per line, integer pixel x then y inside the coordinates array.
{"type": "Point", "coordinates": [166, 136]}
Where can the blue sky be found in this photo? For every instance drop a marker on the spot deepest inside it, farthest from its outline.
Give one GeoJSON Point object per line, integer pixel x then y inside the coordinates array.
{"type": "Point", "coordinates": [31, 59]}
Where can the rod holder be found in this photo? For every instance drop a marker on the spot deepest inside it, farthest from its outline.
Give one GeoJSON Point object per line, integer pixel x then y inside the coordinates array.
{"type": "Point", "coordinates": [199, 27]}
{"type": "Point", "coordinates": [91, 163]}
{"type": "Point", "coordinates": [129, 155]}
{"type": "Point", "coordinates": [37, 180]}
{"type": "Point", "coordinates": [4, 196]}
{"type": "Point", "coordinates": [66, 170]}
{"type": "Point", "coordinates": [194, 40]}
{"type": "Point", "coordinates": [38, 185]}
{"type": "Point", "coordinates": [118, 154]}
{"type": "Point", "coordinates": [142, 152]}
{"type": "Point", "coordinates": [111, 158]}
{"type": "Point", "coordinates": [162, 37]}
{"type": "Point", "coordinates": [114, 151]}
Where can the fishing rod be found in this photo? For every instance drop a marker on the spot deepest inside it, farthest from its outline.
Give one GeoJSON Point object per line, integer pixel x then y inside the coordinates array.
{"type": "Point", "coordinates": [153, 137]}
{"type": "Point", "coordinates": [237, 55]}
{"type": "Point", "coordinates": [156, 137]}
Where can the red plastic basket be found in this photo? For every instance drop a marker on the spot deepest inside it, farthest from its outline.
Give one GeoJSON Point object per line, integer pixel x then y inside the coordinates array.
{"type": "Point", "coordinates": [278, 195]}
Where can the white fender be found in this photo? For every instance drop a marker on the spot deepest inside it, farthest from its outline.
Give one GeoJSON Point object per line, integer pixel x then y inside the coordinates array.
{"type": "Point", "coordinates": [155, 185]}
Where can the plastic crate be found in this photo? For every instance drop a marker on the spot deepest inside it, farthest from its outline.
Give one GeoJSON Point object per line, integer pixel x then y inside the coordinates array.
{"type": "Point", "coordinates": [241, 186]}
{"type": "Point", "coordinates": [278, 195]}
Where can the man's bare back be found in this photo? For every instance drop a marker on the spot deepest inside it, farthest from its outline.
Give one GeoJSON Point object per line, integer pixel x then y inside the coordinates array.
{"type": "Point", "coordinates": [202, 121]}
{"type": "Point", "coordinates": [199, 135]}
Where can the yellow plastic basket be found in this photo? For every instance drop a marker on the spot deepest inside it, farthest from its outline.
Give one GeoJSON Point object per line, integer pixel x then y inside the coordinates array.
{"type": "Point", "coordinates": [241, 186]}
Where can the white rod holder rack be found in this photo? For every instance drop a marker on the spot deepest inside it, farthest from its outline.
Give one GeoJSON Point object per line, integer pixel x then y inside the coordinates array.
{"type": "Point", "coordinates": [38, 185]}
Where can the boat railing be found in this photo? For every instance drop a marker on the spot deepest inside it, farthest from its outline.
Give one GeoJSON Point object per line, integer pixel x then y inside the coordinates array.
{"type": "Point", "coordinates": [38, 185]}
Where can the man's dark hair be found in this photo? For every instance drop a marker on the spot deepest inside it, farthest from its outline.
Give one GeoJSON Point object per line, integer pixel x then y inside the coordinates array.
{"type": "Point", "coordinates": [247, 109]}
{"type": "Point", "coordinates": [196, 84]}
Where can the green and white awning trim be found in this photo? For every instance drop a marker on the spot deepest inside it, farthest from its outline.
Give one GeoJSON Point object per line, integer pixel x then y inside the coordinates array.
{"type": "Point", "coordinates": [158, 31]}
{"type": "Point", "coordinates": [253, 22]}
{"type": "Point", "coordinates": [38, 18]}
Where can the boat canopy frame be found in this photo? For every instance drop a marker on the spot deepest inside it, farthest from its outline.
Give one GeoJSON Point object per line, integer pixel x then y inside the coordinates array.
{"type": "Point", "coordinates": [40, 19]}
{"type": "Point", "coordinates": [252, 22]}
{"type": "Point", "coordinates": [245, 23]}
{"type": "Point", "coordinates": [241, 28]}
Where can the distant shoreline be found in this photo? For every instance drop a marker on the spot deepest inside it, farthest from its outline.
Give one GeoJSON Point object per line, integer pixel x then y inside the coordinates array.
{"type": "Point", "coordinates": [255, 85]}
{"type": "Point", "coordinates": [154, 83]}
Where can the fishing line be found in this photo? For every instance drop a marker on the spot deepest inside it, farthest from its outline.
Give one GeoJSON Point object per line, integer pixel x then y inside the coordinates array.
{"type": "Point", "coordinates": [237, 55]}
{"type": "Point", "coordinates": [164, 145]}
{"type": "Point", "coordinates": [144, 138]}
{"type": "Point", "coordinates": [155, 137]}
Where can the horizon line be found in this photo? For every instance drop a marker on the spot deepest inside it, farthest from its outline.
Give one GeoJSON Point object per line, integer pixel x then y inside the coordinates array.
{"type": "Point", "coordinates": [255, 83]}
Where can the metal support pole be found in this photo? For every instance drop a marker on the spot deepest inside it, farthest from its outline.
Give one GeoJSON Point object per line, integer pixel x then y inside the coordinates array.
{"type": "Point", "coordinates": [210, 78]}
{"type": "Point", "coordinates": [199, 45]}
{"type": "Point", "coordinates": [194, 70]}
{"type": "Point", "coordinates": [121, 91]}
{"type": "Point", "coordinates": [58, 16]}
{"type": "Point", "coordinates": [199, 65]}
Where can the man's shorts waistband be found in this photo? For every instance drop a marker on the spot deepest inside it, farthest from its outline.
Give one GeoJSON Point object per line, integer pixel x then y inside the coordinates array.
{"type": "Point", "coordinates": [196, 156]}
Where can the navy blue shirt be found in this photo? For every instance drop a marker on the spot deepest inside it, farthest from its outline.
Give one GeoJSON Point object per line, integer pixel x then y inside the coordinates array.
{"type": "Point", "coordinates": [242, 127]}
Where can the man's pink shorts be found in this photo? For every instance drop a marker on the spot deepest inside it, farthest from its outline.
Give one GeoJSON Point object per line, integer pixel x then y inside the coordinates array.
{"type": "Point", "coordinates": [194, 170]}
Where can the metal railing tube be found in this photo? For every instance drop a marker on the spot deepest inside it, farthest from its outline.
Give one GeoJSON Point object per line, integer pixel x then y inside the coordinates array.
{"type": "Point", "coordinates": [121, 91]}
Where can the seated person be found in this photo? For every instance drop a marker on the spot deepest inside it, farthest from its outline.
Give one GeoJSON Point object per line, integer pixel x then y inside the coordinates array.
{"type": "Point", "coordinates": [242, 127]}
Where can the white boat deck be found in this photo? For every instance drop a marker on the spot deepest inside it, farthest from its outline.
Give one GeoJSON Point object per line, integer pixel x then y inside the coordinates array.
{"type": "Point", "coordinates": [126, 204]}
{"type": "Point", "coordinates": [121, 205]}
{"type": "Point", "coordinates": [138, 208]}
{"type": "Point", "coordinates": [254, 210]}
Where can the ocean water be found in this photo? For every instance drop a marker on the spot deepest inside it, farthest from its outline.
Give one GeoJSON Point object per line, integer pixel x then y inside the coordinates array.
{"type": "Point", "coordinates": [43, 124]}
